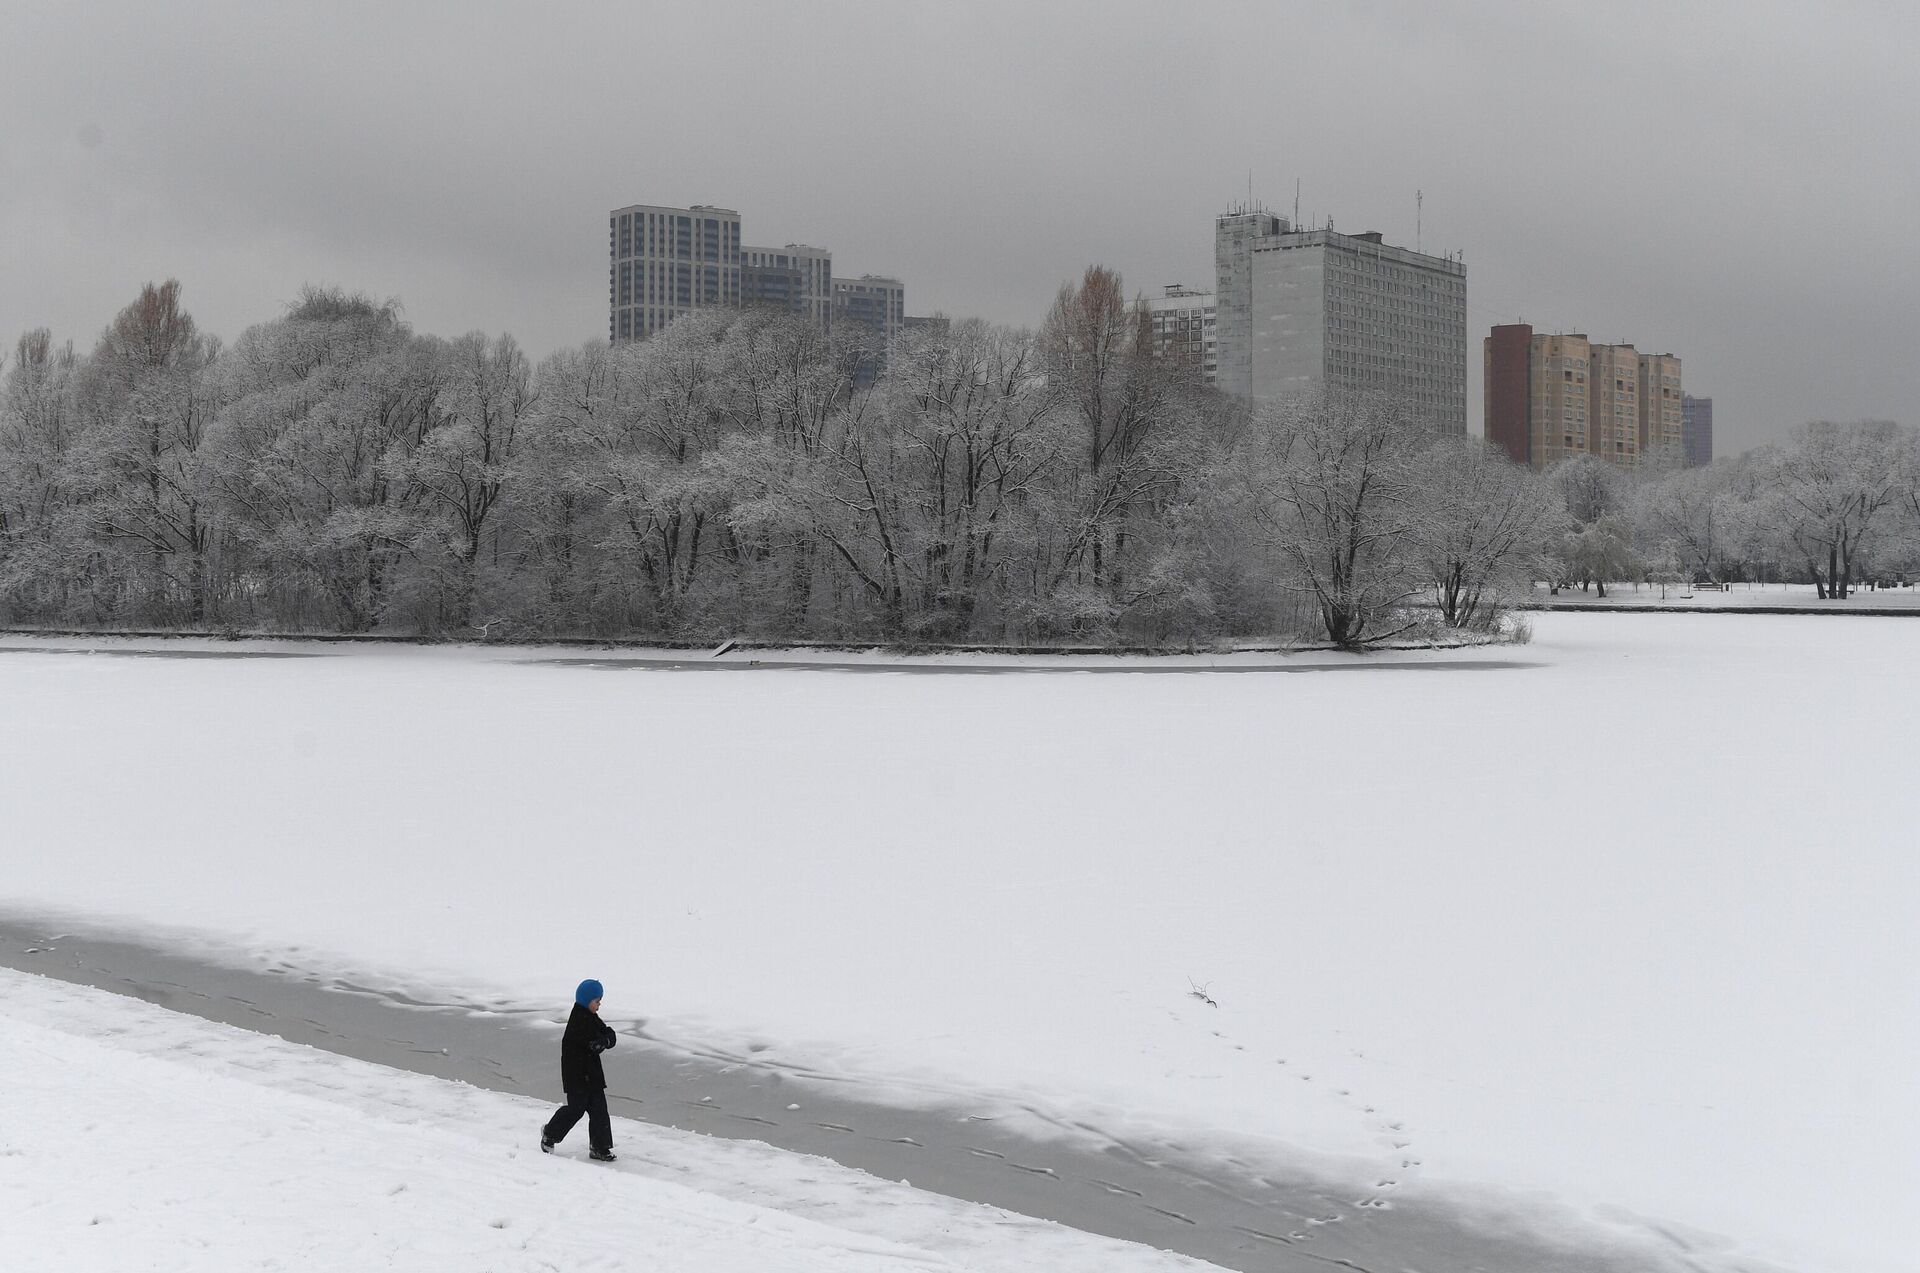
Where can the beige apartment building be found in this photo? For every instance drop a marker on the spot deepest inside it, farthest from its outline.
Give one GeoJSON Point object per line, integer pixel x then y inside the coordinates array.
{"type": "Point", "coordinates": [1662, 409]}
{"type": "Point", "coordinates": [1614, 403]}
{"type": "Point", "coordinates": [1552, 396]}
{"type": "Point", "coordinates": [1559, 389]}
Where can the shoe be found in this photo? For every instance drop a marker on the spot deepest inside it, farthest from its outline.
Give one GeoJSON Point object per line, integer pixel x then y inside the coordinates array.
{"type": "Point", "coordinates": [603, 1155]}
{"type": "Point", "coordinates": [546, 1145]}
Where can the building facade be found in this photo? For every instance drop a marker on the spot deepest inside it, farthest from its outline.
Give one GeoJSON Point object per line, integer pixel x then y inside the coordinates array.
{"type": "Point", "coordinates": [1185, 329]}
{"type": "Point", "coordinates": [871, 303]}
{"type": "Point", "coordinates": [796, 277]}
{"type": "Point", "coordinates": [1507, 382]}
{"type": "Point", "coordinates": [1662, 423]}
{"type": "Point", "coordinates": [1615, 404]}
{"type": "Point", "coordinates": [1552, 396]}
{"type": "Point", "coordinates": [1303, 310]}
{"type": "Point", "coordinates": [1696, 430]}
{"type": "Point", "coordinates": [665, 262]}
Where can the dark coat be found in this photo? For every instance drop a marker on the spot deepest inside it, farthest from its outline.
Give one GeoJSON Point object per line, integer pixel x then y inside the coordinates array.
{"type": "Point", "coordinates": [580, 1048]}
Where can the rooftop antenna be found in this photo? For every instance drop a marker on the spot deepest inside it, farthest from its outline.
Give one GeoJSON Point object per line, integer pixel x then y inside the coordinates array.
{"type": "Point", "coordinates": [1418, 198]}
{"type": "Point", "coordinates": [1296, 203]}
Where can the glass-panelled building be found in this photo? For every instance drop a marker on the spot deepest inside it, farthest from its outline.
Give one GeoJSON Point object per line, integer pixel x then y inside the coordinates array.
{"type": "Point", "coordinates": [873, 302]}
{"type": "Point", "coordinates": [796, 278]}
{"type": "Point", "coordinates": [665, 262]}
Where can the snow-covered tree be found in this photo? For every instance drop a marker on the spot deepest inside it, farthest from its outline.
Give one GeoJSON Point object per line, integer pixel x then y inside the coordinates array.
{"type": "Point", "coordinates": [1098, 352]}
{"type": "Point", "coordinates": [1696, 511]}
{"type": "Point", "coordinates": [1665, 568]}
{"type": "Point", "coordinates": [1830, 490]}
{"type": "Point", "coordinates": [1593, 544]}
{"type": "Point", "coordinates": [319, 405]}
{"type": "Point", "coordinates": [138, 465]}
{"type": "Point", "coordinates": [1480, 526]}
{"type": "Point", "coordinates": [460, 467]}
{"type": "Point", "coordinates": [43, 543]}
{"type": "Point", "coordinates": [1336, 497]}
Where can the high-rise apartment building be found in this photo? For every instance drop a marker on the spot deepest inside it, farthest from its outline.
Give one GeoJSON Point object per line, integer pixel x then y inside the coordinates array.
{"type": "Point", "coordinates": [1552, 396]}
{"type": "Point", "coordinates": [1537, 394]}
{"type": "Point", "coordinates": [873, 302]}
{"type": "Point", "coordinates": [1185, 329]}
{"type": "Point", "coordinates": [1614, 404]}
{"type": "Point", "coordinates": [665, 262]}
{"type": "Point", "coordinates": [1507, 386]}
{"type": "Point", "coordinates": [1696, 430]}
{"type": "Point", "coordinates": [796, 278]}
{"type": "Point", "coordinates": [1662, 426]}
{"type": "Point", "coordinates": [1301, 310]}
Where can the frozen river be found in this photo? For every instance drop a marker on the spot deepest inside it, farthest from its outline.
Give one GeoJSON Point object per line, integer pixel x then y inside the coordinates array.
{"type": "Point", "coordinates": [1613, 929]}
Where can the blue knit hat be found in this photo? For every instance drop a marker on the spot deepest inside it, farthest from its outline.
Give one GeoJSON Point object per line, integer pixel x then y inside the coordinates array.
{"type": "Point", "coordinates": [588, 991]}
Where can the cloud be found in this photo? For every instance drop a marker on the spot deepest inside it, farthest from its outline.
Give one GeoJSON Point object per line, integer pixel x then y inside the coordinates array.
{"type": "Point", "coordinates": [1710, 179]}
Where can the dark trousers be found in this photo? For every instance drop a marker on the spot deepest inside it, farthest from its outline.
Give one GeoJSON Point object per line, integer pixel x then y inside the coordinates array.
{"type": "Point", "coordinates": [593, 1104]}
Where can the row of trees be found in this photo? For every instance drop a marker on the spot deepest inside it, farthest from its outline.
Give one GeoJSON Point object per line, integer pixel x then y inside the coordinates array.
{"type": "Point", "coordinates": [1838, 506]}
{"type": "Point", "coordinates": [332, 470]}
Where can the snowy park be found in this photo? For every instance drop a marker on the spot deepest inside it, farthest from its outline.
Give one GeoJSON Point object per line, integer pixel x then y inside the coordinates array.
{"type": "Point", "coordinates": [1616, 925]}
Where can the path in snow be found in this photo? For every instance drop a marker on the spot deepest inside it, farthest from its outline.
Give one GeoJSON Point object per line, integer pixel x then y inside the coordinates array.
{"type": "Point", "coordinates": [1152, 1193]}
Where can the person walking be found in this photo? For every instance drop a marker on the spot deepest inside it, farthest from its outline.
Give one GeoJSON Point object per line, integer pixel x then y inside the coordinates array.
{"type": "Point", "coordinates": [580, 1073]}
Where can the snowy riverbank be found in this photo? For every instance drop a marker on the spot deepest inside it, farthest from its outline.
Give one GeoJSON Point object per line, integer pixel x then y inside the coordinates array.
{"type": "Point", "coordinates": [136, 1137]}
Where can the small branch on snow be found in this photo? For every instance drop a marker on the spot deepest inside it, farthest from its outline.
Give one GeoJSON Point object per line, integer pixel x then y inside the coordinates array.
{"type": "Point", "coordinates": [1199, 992]}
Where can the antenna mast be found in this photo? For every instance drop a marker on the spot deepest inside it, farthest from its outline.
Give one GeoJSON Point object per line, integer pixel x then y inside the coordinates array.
{"type": "Point", "coordinates": [1296, 203]}
{"type": "Point", "coordinates": [1419, 198]}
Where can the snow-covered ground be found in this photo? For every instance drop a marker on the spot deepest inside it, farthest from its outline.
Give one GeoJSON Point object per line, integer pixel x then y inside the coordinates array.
{"type": "Point", "coordinates": [1632, 927]}
{"type": "Point", "coordinates": [1738, 596]}
{"type": "Point", "coordinates": [133, 1137]}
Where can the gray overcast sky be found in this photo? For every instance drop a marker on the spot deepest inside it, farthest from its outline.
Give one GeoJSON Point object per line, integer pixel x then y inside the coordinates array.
{"type": "Point", "coordinates": [1733, 182]}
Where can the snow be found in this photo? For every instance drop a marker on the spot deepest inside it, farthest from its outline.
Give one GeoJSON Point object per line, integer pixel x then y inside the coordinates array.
{"type": "Point", "coordinates": [1738, 596]}
{"type": "Point", "coordinates": [137, 1137]}
{"type": "Point", "coordinates": [1630, 927]}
